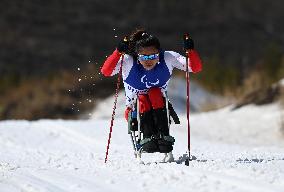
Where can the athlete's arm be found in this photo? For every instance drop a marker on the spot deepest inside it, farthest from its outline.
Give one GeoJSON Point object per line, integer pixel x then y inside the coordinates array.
{"type": "Point", "coordinates": [112, 64]}
{"type": "Point", "coordinates": [176, 60]}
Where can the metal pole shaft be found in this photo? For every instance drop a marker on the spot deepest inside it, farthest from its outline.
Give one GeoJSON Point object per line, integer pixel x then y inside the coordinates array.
{"type": "Point", "coordinates": [114, 107]}
{"type": "Point", "coordinates": [187, 103]}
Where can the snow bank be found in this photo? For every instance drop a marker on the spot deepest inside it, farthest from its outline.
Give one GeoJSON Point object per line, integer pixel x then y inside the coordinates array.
{"type": "Point", "coordinates": [237, 151]}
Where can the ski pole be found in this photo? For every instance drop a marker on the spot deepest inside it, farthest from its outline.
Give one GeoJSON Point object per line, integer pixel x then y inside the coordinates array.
{"type": "Point", "coordinates": [114, 107]}
{"type": "Point", "coordinates": [186, 37]}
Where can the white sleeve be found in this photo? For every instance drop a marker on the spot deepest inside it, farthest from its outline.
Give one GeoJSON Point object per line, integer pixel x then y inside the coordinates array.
{"type": "Point", "coordinates": [126, 66]}
{"type": "Point", "coordinates": [176, 60]}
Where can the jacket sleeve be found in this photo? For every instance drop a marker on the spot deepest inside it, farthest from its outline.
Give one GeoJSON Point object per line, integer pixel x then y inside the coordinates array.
{"type": "Point", "coordinates": [194, 61]}
{"type": "Point", "coordinates": [176, 60]}
{"type": "Point", "coordinates": [110, 63]}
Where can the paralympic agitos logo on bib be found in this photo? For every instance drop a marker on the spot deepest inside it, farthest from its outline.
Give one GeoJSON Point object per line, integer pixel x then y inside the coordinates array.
{"type": "Point", "coordinates": [148, 83]}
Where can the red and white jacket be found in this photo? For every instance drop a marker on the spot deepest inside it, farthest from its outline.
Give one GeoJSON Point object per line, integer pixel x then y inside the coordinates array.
{"type": "Point", "coordinates": [138, 80]}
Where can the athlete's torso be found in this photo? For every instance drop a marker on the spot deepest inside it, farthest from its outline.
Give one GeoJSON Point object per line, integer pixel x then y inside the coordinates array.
{"type": "Point", "coordinates": [140, 80]}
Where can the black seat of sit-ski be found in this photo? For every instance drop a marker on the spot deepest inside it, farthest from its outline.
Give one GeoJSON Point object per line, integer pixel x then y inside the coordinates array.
{"type": "Point", "coordinates": [154, 128]}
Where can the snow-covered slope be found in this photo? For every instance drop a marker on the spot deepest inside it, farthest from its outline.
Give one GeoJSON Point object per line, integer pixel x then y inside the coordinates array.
{"type": "Point", "coordinates": [238, 150]}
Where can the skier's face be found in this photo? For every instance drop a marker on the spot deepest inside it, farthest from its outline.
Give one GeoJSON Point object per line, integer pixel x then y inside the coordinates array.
{"type": "Point", "coordinates": [148, 57]}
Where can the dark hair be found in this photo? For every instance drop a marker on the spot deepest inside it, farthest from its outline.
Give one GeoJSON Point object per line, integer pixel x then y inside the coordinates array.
{"type": "Point", "coordinates": [140, 38]}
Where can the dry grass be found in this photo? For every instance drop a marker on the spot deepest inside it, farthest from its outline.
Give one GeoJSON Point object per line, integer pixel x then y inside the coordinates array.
{"type": "Point", "coordinates": [281, 99]}
{"type": "Point", "coordinates": [35, 98]}
{"type": "Point", "coordinates": [61, 95]}
{"type": "Point", "coordinates": [255, 81]}
{"type": "Point", "coordinates": [282, 123]}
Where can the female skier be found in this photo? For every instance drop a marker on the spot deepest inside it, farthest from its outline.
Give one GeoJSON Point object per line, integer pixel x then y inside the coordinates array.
{"type": "Point", "coordinates": [146, 71]}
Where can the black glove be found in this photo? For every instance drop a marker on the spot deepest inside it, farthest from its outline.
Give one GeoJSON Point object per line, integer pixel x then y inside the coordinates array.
{"type": "Point", "coordinates": [187, 42]}
{"type": "Point", "coordinates": [123, 45]}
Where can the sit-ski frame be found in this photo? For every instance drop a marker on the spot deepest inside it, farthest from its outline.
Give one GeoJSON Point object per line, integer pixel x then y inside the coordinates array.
{"type": "Point", "coordinates": [138, 151]}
